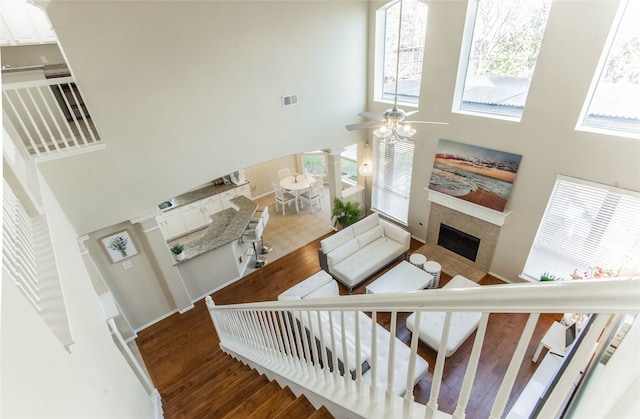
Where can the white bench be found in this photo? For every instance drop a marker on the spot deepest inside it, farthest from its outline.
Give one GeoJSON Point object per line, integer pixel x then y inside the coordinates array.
{"type": "Point", "coordinates": [432, 324]}
{"type": "Point", "coordinates": [402, 277]}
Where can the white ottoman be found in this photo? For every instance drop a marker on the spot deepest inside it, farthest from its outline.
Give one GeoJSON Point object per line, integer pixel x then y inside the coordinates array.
{"type": "Point", "coordinates": [417, 259]}
{"type": "Point", "coordinates": [434, 269]}
{"type": "Point", "coordinates": [432, 324]}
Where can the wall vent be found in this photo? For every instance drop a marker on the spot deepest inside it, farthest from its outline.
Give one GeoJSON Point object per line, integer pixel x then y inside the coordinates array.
{"type": "Point", "coordinates": [290, 100]}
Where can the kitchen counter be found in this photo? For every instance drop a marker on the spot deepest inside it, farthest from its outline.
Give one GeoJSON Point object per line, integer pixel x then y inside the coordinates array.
{"type": "Point", "coordinates": [226, 226]}
{"type": "Point", "coordinates": [202, 193]}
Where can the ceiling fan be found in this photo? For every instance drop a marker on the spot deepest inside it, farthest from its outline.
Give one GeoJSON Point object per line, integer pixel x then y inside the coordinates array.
{"type": "Point", "coordinates": [393, 121]}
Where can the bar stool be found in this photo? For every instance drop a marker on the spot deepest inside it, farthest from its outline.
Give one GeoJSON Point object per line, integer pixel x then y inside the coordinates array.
{"type": "Point", "coordinates": [254, 235]}
{"type": "Point", "coordinates": [434, 269]}
{"type": "Point", "coordinates": [264, 217]}
{"type": "Point", "coordinates": [418, 259]}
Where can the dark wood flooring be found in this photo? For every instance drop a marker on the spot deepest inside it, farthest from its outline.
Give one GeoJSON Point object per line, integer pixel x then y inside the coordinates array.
{"type": "Point", "coordinates": [182, 346]}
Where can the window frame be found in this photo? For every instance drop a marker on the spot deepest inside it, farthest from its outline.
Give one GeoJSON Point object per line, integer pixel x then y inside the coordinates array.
{"type": "Point", "coordinates": [582, 124]}
{"type": "Point", "coordinates": [578, 227]}
{"type": "Point", "coordinates": [346, 156]}
{"type": "Point", "coordinates": [380, 57]}
{"type": "Point", "coordinates": [463, 67]}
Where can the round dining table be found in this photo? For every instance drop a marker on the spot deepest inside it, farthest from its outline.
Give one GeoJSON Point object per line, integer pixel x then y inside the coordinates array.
{"type": "Point", "coordinates": [297, 185]}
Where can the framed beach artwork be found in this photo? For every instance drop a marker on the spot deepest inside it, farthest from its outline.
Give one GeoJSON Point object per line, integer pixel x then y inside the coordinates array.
{"type": "Point", "coordinates": [475, 174]}
{"type": "Point", "coordinates": [119, 246]}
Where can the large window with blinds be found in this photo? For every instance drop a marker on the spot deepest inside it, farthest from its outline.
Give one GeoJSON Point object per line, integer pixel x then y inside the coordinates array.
{"type": "Point", "coordinates": [588, 229]}
{"type": "Point", "coordinates": [391, 184]}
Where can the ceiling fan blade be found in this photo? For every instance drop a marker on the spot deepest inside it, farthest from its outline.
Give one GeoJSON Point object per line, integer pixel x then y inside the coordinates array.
{"type": "Point", "coordinates": [363, 125]}
{"type": "Point", "coordinates": [426, 122]}
{"type": "Point", "coordinates": [411, 113]}
{"type": "Point", "coordinates": [371, 115]}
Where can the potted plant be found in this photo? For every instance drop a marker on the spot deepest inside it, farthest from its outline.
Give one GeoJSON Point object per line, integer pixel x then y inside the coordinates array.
{"type": "Point", "coordinates": [178, 251]}
{"type": "Point", "coordinates": [344, 213]}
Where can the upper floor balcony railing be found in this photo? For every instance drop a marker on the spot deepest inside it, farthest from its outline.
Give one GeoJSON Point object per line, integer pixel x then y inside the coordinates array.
{"type": "Point", "coordinates": [48, 116]}
{"type": "Point", "coordinates": [284, 340]}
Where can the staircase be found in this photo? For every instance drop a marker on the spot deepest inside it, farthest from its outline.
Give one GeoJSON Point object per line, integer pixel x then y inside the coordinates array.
{"type": "Point", "coordinates": [227, 388]}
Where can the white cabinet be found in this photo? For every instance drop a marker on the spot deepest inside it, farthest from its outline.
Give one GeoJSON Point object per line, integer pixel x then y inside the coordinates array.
{"type": "Point", "coordinates": [243, 190]}
{"type": "Point", "coordinates": [226, 196]}
{"type": "Point", "coordinates": [172, 224]}
{"type": "Point", "coordinates": [211, 206]}
{"type": "Point", "coordinates": [193, 217]}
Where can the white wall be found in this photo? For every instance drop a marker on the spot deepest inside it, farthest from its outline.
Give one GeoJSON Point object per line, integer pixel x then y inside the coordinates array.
{"type": "Point", "coordinates": [545, 137]}
{"type": "Point", "coordinates": [184, 92]}
{"type": "Point", "coordinates": [40, 379]}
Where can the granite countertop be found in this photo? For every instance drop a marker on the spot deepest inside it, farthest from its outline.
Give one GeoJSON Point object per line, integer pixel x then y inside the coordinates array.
{"type": "Point", "coordinates": [202, 193]}
{"type": "Point", "coordinates": [227, 226]}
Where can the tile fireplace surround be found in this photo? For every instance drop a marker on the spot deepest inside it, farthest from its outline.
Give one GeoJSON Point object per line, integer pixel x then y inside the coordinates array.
{"type": "Point", "coordinates": [487, 232]}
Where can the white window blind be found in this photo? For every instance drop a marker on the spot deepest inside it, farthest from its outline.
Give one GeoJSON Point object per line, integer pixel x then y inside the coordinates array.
{"type": "Point", "coordinates": [586, 225]}
{"type": "Point", "coordinates": [392, 169]}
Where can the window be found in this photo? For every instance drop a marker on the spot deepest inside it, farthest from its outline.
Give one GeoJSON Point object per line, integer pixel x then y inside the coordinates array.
{"type": "Point", "coordinates": [409, 70]}
{"type": "Point", "coordinates": [314, 159]}
{"type": "Point", "coordinates": [613, 102]}
{"type": "Point", "coordinates": [391, 185]}
{"type": "Point", "coordinates": [502, 39]}
{"type": "Point", "coordinates": [586, 227]}
{"type": "Point", "coordinates": [349, 164]}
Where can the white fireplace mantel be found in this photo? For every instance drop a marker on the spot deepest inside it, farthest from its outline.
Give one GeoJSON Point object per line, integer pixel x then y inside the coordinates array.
{"type": "Point", "coordinates": [474, 210]}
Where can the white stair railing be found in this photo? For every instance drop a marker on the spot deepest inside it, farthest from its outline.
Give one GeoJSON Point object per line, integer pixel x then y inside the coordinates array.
{"type": "Point", "coordinates": [264, 335]}
{"type": "Point", "coordinates": [49, 116]}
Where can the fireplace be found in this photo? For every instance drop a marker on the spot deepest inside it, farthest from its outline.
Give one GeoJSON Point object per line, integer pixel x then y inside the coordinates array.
{"type": "Point", "coordinates": [458, 242]}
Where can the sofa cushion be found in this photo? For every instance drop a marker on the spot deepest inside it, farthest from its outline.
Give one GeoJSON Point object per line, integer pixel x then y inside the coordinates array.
{"type": "Point", "coordinates": [336, 240]}
{"type": "Point", "coordinates": [342, 252]}
{"type": "Point", "coordinates": [370, 235]}
{"type": "Point", "coordinates": [432, 324]}
{"type": "Point", "coordinates": [328, 290]}
{"type": "Point", "coordinates": [306, 286]}
{"type": "Point", "coordinates": [369, 259]}
{"type": "Point", "coordinates": [365, 224]}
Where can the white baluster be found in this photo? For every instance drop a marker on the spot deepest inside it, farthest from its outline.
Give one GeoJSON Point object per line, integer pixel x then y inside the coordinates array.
{"type": "Point", "coordinates": [305, 343]}
{"type": "Point", "coordinates": [323, 347]}
{"type": "Point", "coordinates": [374, 355]}
{"type": "Point", "coordinates": [19, 118]}
{"type": "Point", "coordinates": [314, 347]}
{"type": "Point", "coordinates": [392, 353]}
{"type": "Point", "coordinates": [356, 315]}
{"type": "Point", "coordinates": [334, 355]}
{"type": "Point", "coordinates": [472, 367]}
{"type": "Point", "coordinates": [52, 118]}
{"type": "Point", "coordinates": [345, 353]}
{"type": "Point", "coordinates": [432, 405]}
{"type": "Point", "coordinates": [35, 106]}
{"type": "Point", "coordinates": [285, 339]}
{"type": "Point", "coordinates": [408, 395]}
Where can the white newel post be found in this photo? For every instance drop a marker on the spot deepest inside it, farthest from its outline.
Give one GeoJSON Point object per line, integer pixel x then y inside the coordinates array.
{"type": "Point", "coordinates": [162, 256]}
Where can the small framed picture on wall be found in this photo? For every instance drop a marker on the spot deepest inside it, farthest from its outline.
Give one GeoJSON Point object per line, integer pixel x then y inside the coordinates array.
{"type": "Point", "coordinates": [119, 246]}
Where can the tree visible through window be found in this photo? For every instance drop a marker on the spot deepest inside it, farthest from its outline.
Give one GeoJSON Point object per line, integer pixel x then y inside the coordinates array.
{"type": "Point", "coordinates": [502, 54]}
{"type": "Point", "coordinates": [414, 29]}
{"type": "Point", "coordinates": [615, 103]}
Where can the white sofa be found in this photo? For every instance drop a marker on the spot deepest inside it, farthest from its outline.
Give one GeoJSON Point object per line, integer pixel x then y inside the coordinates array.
{"type": "Point", "coordinates": [356, 252]}
{"type": "Point", "coordinates": [432, 324]}
{"type": "Point", "coordinates": [322, 285]}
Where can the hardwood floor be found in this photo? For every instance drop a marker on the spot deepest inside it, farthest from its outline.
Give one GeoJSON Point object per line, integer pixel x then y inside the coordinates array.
{"type": "Point", "coordinates": [183, 347]}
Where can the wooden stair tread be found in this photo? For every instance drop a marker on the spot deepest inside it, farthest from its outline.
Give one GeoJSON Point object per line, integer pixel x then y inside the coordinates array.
{"type": "Point", "coordinates": [321, 413]}
{"type": "Point", "coordinates": [218, 373]}
{"type": "Point", "coordinates": [274, 405]}
{"type": "Point", "coordinates": [237, 395]}
{"type": "Point", "coordinates": [301, 407]}
{"type": "Point", "coordinates": [253, 402]}
{"type": "Point", "coordinates": [202, 396]}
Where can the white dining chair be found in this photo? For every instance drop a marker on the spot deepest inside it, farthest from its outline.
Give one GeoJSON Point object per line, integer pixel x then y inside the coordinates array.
{"type": "Point", "coordinates": [283, 173]}
{"type": "Point", "coordinates": [312, 196]}
{"type": "Point", "coordinates": [282, 197]}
